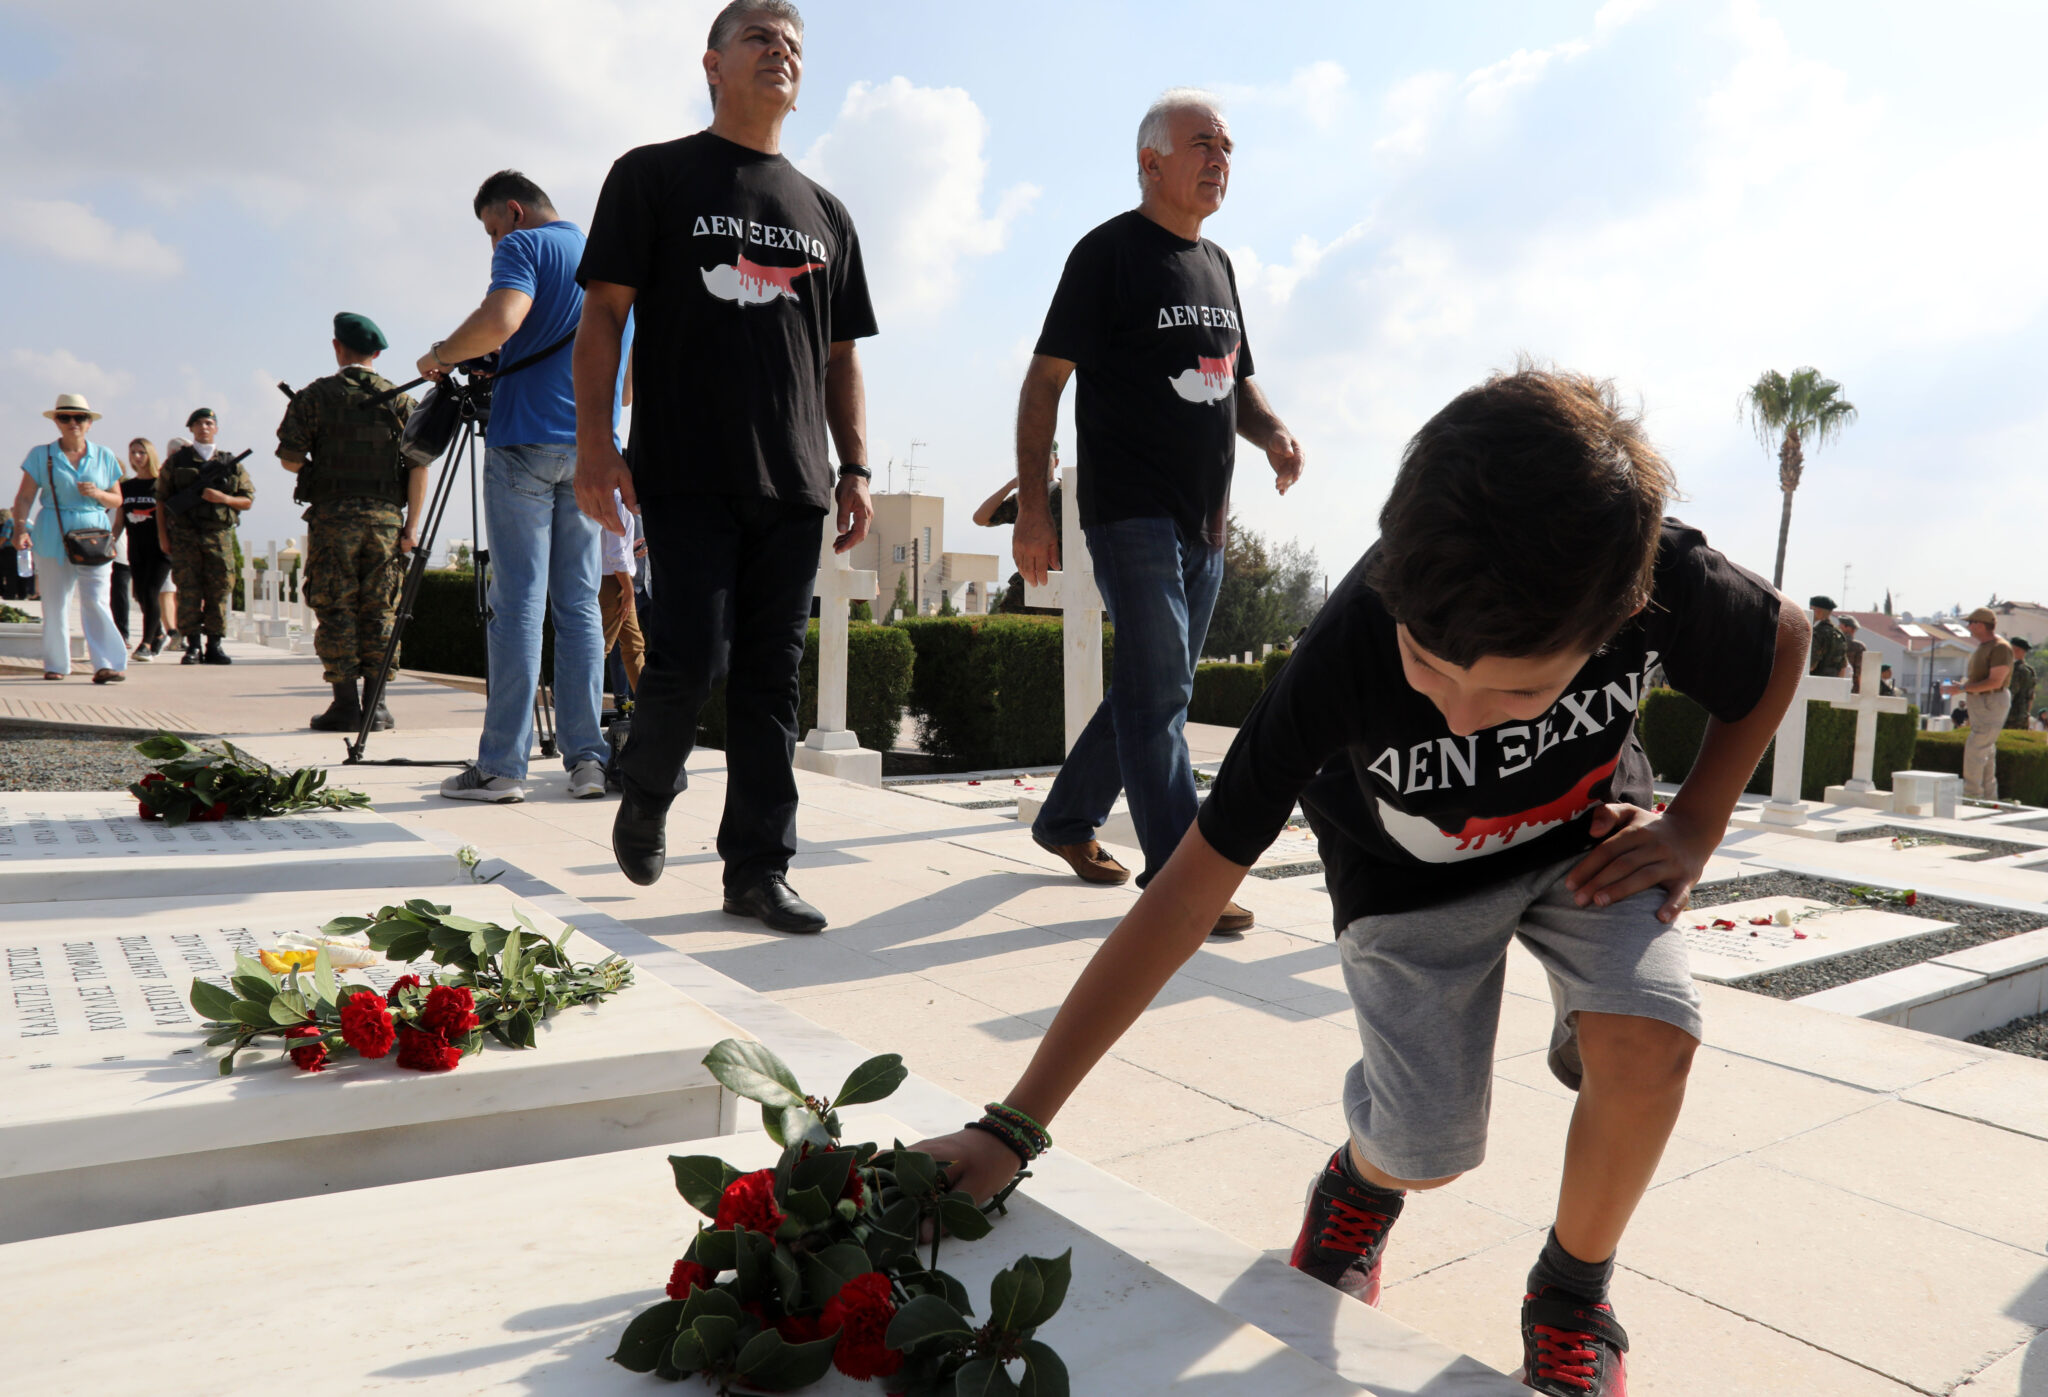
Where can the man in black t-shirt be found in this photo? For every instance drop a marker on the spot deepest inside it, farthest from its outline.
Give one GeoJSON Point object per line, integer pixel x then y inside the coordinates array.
{"type": "Point", "coordinates": [1459, 725]}
{"type": "Point", "coordinates": [746, 283]}
{"type": "Point", "coordinates": [1147, 311]}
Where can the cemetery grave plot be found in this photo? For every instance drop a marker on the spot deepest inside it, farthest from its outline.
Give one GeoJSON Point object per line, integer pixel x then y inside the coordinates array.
{"type": "Point", "coordinates": [1949, 926]}
{"type": "Point", "coordinates": [1927, 841]}
{"type": "Point", "coordinates": [115, 1110]}
{"type": "Point", "coordinates": [45, 759]}
{"type": "Point", "coordinates": [56, 846]}
{"type": "Point", "coordinates": [2027, 1037]}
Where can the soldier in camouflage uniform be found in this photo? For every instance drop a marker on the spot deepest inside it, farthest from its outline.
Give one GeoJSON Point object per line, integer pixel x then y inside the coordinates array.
{"type": "Point", "coordinates": [344, 447]}
{"type": "Point", "coordinates": [200, 541]}
{"type": "Point", "coordinates": [2021, 685]}
{"type": "Point", "coordinates": [1830, 650]}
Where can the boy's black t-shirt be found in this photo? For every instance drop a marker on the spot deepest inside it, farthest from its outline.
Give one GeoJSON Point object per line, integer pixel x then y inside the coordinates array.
{"type": "Point", "coordinates": [746, 273]}
{"type": "Point", "coordinates": [1154, 325]}
{"type": "Point", "coordinates": [1408, 815]}
{"type": "Point", "coordinates": [138, 504]}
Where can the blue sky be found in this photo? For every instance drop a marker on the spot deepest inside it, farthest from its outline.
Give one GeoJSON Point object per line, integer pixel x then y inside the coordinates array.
{"type": "Point", "coordinates": [1674, 195]}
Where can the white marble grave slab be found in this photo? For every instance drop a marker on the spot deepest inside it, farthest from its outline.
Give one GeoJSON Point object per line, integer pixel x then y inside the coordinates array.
{"type": "Point", "coordinates": [56, 846]}
{"type": "Point", "coordinates": [427, 1309]}
{"type": "Point", "coordinates": [112, 1109]}
{"type": "Point", "coordinates": [1723, 954]}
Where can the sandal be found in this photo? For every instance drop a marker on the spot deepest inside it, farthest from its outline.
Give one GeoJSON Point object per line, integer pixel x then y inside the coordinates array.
{"type": "Point", "coordinates": [108, 676]}
{"type": "Point", "coordinates": [51, 674]}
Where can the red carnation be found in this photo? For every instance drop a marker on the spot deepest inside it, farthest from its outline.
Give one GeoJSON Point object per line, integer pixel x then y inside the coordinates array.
{"type": "Point", "coordinates": [403, 982]}
{"type": "Point", "coordinates": [312, 1057]}
{"type": "Point", "coordinates": [854, 1189]}
{"type": "Point", "coordinates": [366, 1024]}
{"type": "Point", "coordinates": [426, 1052]}
{"type": "Point", "coordinates": [798, 1329]}
{"type": "Point", "coordinates": [687, 1276]}
{"type": "Point", "coordinates": [1912, 898]}
{"type": "Point", "coordinates": [860, 1315]}
{"type": "Point", "coordinates": [749, 1203]}
{"type": "Point", "coordinates": [450, 1011]}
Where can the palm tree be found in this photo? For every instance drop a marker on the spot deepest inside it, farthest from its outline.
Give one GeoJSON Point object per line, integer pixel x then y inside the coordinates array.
{"type": "Point", "coordinates": [1789, 413]}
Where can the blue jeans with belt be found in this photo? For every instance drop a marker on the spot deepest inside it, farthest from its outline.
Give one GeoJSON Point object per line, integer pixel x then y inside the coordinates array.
{"type": "Point", "coordinates": [544, 559]}
{"type": "Point", "coordinates": [1160, 588]}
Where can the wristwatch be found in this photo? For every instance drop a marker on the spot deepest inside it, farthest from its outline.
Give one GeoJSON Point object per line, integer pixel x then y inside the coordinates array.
{"type": "Point", "coordinates": [862, 471]}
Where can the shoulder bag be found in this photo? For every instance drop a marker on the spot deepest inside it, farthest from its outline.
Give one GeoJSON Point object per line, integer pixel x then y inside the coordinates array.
{"type": "Point", "coordinates": [86, 548]}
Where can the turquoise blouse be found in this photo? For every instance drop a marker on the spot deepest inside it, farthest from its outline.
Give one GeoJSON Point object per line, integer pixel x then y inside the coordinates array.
{"type": "Point", "coordinates": [98, 466]}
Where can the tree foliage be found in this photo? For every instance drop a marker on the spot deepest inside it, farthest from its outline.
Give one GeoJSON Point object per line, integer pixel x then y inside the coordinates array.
{"type": "Point", "coordinates": [1789, 413]}
{"type": "Point", "coordinates": [1269, 592]}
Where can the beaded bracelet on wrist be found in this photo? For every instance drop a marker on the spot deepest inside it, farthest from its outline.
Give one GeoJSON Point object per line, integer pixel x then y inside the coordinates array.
{"type": "Point", "coordinates": [1037, 1135]}
{"type": "Point", "coordinates": [1014, 1145]}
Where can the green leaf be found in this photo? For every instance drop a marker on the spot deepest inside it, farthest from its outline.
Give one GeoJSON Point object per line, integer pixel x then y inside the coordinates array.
{"type": "Point", "coordinates": [647, 1336]}
{"type": "Point", "coordinates": [687, 1353]}
{"type": "Point", "coordinates": [1045, 1375]}
{"type": "Point", "coordinates": [809, 1206]}
{"type": "Point", "coordinates": [751, 1251]}
{"type": "Point", "coordinates": [407, 946]}
{"type": "Point", "coordinates": [345, 926]}
{"type": "Point", "coordinates": [522, 1029]}
{"type": "Point", "coordinates": [212, 1002]}
{"type": "Point", "coordinates": [788, 1280]}
{"type": "Point", "coordinates": [1014, 1296]}
{"type": "Point", "coordinates": [710, 1302]}
{"type": "Point", "coordinates": [751, 1070]}
{"type": "Point", "coordinates": [783, 1366]}
{"type": "Point", "coordinates": [283, 1010]}
{"type": "Point", "coordinates": [714, 1249]}
{"type": "Point", "coordinates": [253, 968]}
{"type": "Point", "coordinates": [925, 1317]}
{"type": "Point", "coordinates": [223, 1035]}
{"type": "Point", "coordinates": [916, 1174]}
{"type": "Point", "coordinates": [983, 1377]}
{"type": "Point", "coordinates": [253, 1014]}
{"type": "Point", "coordinates": [771, 1122]}
{"type": "Point", "coordinates": [164, 747]}
{"type": "Point", "coordinates": [961, 1218]}
{"type": "Point", "coordinates": [718, 1333]}
{"type": "Point", "coordinates": [702, 1180]}
{"type": "Point", "coordinates": [255, 989]}
{"type": "Point", "coordinates": [1054, 1274]}
{"type": "Point", "coordinates": [826, 1270]}
{"type": "Point", "coordinates": [324, 983]}
{"type": "Point", "coordinates": [872, 1080]}
{"type": "Point", "coordinates": [824, 1170]}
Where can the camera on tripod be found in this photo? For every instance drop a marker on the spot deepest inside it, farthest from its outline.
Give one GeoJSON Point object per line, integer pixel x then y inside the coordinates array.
{"type": "Point", "coordinates": [443, 409]}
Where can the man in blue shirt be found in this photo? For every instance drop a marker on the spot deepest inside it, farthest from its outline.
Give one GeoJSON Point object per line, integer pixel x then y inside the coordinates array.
{"type": "Point", "coordinates": [544, 552]}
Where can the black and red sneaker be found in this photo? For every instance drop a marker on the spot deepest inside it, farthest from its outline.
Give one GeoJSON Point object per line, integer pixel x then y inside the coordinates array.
{"type": "Point", "coordinates": [1344, 1232]}
{"type": "Point", "coordinates": [1571, 1347]}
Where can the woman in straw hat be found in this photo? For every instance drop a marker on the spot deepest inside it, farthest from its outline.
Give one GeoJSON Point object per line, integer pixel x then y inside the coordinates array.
{"type": "Point", "coordinates": [73, 483]}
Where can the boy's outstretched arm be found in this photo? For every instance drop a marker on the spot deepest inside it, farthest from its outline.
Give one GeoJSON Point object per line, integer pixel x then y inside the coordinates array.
{"type": "Point", "coordinates": [1168, 925]}
{"type": "Point", "coordinates": [1647, 850]}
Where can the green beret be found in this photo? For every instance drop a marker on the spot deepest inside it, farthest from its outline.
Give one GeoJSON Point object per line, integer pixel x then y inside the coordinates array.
{"type": "Point", "coordinates": [1821, 603]}
{"type": "Point", "coordinates": [360, 333]}
{"type": "Point", "coordinates": [198, 413]}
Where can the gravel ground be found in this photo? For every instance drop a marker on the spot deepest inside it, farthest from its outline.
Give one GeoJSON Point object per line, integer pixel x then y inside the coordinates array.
{"type": "Point", "coordinates": [2028, 1037]}
{"type": "Point", "coordinates": [1992, 847]}
{"type": "Point", "coordinates": [1973, 927]}
{"type": "Point", "coordinates": [43, 759]}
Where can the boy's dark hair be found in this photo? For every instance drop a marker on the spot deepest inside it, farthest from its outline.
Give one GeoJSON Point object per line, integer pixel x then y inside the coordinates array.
{"type": "Point", "coordinates": [507, 185]}
{"type": "Point", "coordinates": [1524, 520]}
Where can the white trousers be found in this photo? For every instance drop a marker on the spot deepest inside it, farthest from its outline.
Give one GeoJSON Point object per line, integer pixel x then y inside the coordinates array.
{"type": "Point", "coordinates": [63, 585]}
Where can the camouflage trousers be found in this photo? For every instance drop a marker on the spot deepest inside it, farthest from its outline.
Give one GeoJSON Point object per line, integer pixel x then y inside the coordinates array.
{"type": "Point", "coordinates": [353, 573]}
{"type": "Point", "coordinates": [203, 566]}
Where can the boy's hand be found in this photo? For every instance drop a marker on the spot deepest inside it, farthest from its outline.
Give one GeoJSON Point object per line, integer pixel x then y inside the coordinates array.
{"type": "Point", "coordinates": [1639, 850]}
{"type": "Point", "coordinates": [975, 1161]}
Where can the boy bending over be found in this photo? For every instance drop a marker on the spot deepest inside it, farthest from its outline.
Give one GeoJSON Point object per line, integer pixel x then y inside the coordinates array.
{"type": "Point", "coordinates": [1459, 726]}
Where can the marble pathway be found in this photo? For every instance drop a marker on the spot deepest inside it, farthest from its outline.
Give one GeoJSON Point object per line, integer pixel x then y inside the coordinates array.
{"type": "Point", "coordinates": [1848, 1208]}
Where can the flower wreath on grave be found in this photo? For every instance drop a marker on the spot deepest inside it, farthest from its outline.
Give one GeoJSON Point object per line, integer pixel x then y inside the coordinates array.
{"type": "Point", "coordinates": [203, 783]}
{"type": "Point", "coordinates": [500, 981]}
{"type": "Point", "coordinates": [815, 1263]}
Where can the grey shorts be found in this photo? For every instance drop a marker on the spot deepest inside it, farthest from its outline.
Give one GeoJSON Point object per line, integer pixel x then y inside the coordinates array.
{"type": "Point", "coordinates": [1426, 987]}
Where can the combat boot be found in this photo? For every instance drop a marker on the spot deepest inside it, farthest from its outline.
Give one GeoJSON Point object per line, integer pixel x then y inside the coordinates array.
{"type": "Point", "coordinates": [192, 651]}
{"type": "Point", "coordinates": [385, 722]}
{"type": "Point", "coordinates": [345, 714]}
{"type": "Point", "coordinates": [216, 653]}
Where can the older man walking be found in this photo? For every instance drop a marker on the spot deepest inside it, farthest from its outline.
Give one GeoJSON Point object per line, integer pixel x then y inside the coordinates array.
{"type": "Point", "coordinates": [1147, 312]}
{"type": "Point", "coordinates": [747, 282]}
{"type": "Point", "coordinates": [1984, 683]}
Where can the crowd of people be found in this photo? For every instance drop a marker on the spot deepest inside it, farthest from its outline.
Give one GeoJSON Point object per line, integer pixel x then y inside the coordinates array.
{"type": "Point", "coordinates": [90, 532]}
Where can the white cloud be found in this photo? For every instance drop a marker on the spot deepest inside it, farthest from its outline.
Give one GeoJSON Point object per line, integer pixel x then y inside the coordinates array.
{"type": "Point", "coordinates": [908, 163]}
{"type": "Point", "coordinates": [1319, 92]}
{"type": "Point", "coordinates": [74, 233]}
{"type": "Point", "coordinates": [61, 371]}
{"type": "Point", "coordinates": [1275, 281]}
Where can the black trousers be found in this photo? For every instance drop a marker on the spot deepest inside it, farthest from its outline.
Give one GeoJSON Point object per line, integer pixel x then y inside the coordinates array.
{"type": "Point", "coordinates": [150, 567]}
{"type": "Point", "coordinates": [117, 597]}
{"type": "Point", "coordinates": [732, 585]}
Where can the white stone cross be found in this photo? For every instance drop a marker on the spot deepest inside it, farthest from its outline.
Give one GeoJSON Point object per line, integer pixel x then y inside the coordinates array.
{"type": "Point", "coordinates": [276, 580]}
{"type": "Point", "coordinates": [1866, 705]}
{"type": "Point", "coordinates": [830, 748]}
{"type": "Point", "coordinates": [1788, 765]}
{"type": "Point", "coordinates": [1072, 590]}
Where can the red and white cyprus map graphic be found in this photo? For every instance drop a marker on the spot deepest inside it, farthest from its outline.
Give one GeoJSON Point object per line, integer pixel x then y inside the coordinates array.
{"type": "Point", "coordinates": [752, 284]}
{"type": "Point", "coordinates": [1210, 380]}
{"type": "Point", "coordinates": [1489, 834]}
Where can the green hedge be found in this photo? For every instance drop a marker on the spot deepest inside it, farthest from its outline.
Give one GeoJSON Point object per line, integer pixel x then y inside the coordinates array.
{"type": "Point", "coordinates": [1225, 692]}
{"type": "Point", "coordinates": [2022, 761]}
{"type": "Point", "coordinates": [1673, 727]}
{"type": "Point", "coordinates": [1270, 666]}
{"type": "Point", "coordinates": [987, 690]}
{"type": "Point", "coordinates": [878, 668]}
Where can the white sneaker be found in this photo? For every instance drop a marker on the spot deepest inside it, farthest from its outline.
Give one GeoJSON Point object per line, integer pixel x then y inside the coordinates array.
{"type": "Point", "coordinates": [471, 784]}
{"type": "Point", "coordinates": [143, 655]}
{"type": "Point", "coordinates": [586, 781]}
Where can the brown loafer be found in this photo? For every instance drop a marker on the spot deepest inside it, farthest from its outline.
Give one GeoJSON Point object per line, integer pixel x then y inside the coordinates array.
{"type": "Point", "coordinates": [108, 676]}
{"type": "Point", "coordinates": [1235, 921]}
{"type": "Point", "coordinates": [51, 674]}
{"type": "Point", "coordinates": [1091, 862]}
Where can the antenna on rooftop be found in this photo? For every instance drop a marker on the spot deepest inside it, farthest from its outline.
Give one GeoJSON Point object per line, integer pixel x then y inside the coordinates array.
{"type": "Point", "coordinates": [910, 467]}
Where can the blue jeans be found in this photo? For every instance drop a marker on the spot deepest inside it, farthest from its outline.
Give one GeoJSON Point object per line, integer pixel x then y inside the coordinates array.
{"type": "Point", "coordinates": [1160, 589]}
{"type": "Point", "coordinates": [544, 557]}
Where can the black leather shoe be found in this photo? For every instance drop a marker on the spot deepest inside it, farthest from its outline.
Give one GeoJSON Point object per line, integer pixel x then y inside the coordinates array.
{"type": "Point", "coordinates": [192, 653]}
{"type": "Point", "coordinates": [216, 653]}
{"type": "Point", "coordinates": [345, 714]}
{"type": "Point", "coordinates": [776, 905]}
{"type": "Point", "coordinates": [640, 841]}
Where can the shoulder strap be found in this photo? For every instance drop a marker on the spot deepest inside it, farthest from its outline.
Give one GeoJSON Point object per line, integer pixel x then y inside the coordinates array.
{"type": "Point", "coordinates": [50, 465]}
{"type": "Point", "coordinates": [534, 358]}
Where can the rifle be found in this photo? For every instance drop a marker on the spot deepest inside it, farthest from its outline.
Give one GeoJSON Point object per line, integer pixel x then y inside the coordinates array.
{"type": "Point", "coordinates": [214, 475]}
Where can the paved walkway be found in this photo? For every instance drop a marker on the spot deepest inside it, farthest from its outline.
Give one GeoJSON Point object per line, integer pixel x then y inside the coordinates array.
{"type": "Point", "coordinates": [1848, 1208]}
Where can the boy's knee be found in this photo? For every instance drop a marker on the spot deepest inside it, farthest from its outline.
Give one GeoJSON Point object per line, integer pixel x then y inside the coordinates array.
{"type": "Point", "coordinates": [1625, 1052]}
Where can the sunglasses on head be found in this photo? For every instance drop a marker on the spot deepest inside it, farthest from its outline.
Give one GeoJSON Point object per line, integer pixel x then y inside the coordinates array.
{"type": "Point", "coordinates": [74, 417]}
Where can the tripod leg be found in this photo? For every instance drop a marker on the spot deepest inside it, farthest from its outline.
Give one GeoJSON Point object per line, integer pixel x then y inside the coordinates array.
{"type": "Point", "coordinates": [544, 719]}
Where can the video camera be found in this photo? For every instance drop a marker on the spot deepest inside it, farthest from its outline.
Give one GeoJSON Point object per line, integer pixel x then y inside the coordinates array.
{"type": "Point", "coordinates": [214, 475]}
